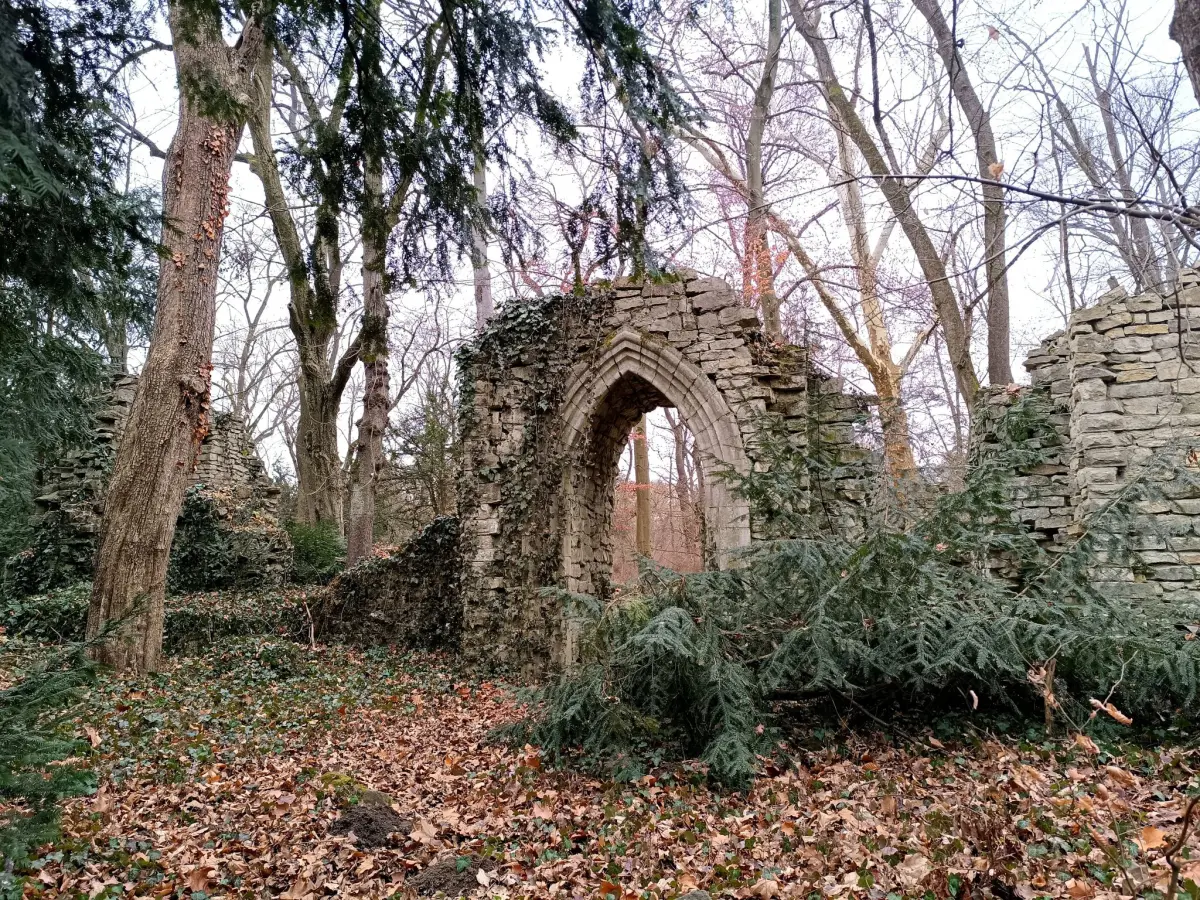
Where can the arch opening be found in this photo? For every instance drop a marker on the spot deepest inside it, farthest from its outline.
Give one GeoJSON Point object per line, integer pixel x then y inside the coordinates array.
{"type": "Point", "coordinates": [658, 498]}
{"type": "Point", "coordinates": [604, 404]}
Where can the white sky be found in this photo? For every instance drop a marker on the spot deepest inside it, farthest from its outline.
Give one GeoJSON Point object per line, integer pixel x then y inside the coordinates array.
{"type": "Point", "coordinates": [1033, 316]}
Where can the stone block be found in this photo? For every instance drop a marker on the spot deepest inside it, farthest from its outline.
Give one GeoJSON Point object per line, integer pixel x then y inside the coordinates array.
{"type": "Point", "coordinates": [712, 300]}
{"type": "Point", "coordinates": [1134, 375]}
{"type": "Point", "coordinates": [1132, 344]}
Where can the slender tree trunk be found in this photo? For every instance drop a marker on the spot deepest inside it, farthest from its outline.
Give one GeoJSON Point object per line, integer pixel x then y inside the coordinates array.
{"type": "Point", "coordinates": [641, 468]}
{"type": "Point", "coordinates": [760, 266]}
{"type": "Point", "coordinates": [1185, 30]}
{"type": "Point", "coordinates": [1146, 271]}
{"type": "Point", "coordinates": [688, 503]}
{"type": "Point", "coordinates": [169, 417]}
{"type": "Point", "coordinates": [484, 307]}
{"type": "Point", "coordinates": [368, 446]}
{"type": "Point", "coordinates": [994, 214]}
{"type": "Point", "coordinates": [898, 194]}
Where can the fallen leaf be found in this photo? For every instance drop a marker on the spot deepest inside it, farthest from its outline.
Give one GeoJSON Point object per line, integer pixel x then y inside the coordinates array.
{"type": "Point", "coordinates": [1151, 838]}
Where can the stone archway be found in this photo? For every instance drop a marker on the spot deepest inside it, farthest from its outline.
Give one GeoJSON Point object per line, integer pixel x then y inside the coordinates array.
{"type": "Point", "coordinates": [550, 391]}
{"type": "Point", "coordinates": [603, 400]}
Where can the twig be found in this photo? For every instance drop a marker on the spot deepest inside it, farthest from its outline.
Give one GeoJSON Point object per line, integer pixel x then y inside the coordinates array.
{"type": "Point", "coordinates": [312, 637]}
{"type": "Point", "coordinates": [1169, 856]}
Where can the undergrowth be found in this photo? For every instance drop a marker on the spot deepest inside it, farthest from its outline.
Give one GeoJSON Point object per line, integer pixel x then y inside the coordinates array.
{"type": "Point", "coordinates": [914, 611]}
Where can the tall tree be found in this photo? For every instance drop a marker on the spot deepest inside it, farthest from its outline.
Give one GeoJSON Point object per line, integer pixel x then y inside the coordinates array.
{"type": "Point", "coordinates": [760, 263]}
{"type": "Point", "coordinates": [169, 417]}
{"type": "Point", "coordinates": [641, 478]}
{"type": "Point", "coordinates": [899, 193]}
{"type": "Point", "coordinates": [314, 262]}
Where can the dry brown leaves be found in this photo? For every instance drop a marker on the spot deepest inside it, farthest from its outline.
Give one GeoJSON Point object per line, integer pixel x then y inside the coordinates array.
{"type": "Point", "coordinates": [863, 822]}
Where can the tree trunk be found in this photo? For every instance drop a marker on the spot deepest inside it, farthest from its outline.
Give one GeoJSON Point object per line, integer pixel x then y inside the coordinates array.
{"type": "Point", "coordinates": [898, 194]}
{"type": "Point", "coordinates": [1185, 30]}
{"type": "Point", "coordinates": [760, 266]}
{"type": "Point", "coordinates": [1145, 270]}
{"type": "Point", "coordinates": [318, 462]}
{"type": "Point", "coordinates": [689, 502]}
{"type": "Point", "coordinates": [368, 446]}
{"type": "Point", "coordinates": [484, 307]}
{"type": "Point", "coordinates": [314, 281]}
{"type": "Point", "coordinates": [994, 214]}
{"type": "Point", "coordinates": [641, 469]}
{"type": "Point", "coordinates": [169, 417]}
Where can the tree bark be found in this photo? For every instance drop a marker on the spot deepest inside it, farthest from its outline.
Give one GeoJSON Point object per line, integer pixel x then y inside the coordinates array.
{"type": "Point", "coordinates": [1185, 30]}
{"type": "Point", "coordinates": [898, 194]}
{"type": "Point", "coordinates": [314, 283]}
{"type": "Point", "coordinates": [169, 417]}
{"type": "Point", "coordinates": [367, 460]}
{"type": "Point", "coordinates": [641, 475]}
{"type": "Point", "coordinates": [994, 214]}
{"type": "Point", "coordinates": [760, 265]}
{"type": "Point", "coordinates": [484, 306]}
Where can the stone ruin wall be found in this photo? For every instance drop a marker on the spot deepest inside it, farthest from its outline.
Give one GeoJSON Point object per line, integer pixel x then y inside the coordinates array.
{"type": "Point", "coordinates": [1123, 384]}
{"type": "Point", "coordinates": [551, 391]}
{"type": "Point", "coordinates": [72, 491]}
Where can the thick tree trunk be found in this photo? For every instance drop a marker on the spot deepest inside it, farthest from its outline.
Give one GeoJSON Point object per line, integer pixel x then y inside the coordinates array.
{"type": "Point", "coordinates": [169, 418]}
{"type": "Point", "coordinates": [1185, 30]}
{"type": "Point", "coordinates": [318, 463]}
{"type": "Point", "coordinates": [368, 447]}
{"type": "Point", "coordinates": [641, 469]}
{"type": "Point", "coordinates": [314, 281]}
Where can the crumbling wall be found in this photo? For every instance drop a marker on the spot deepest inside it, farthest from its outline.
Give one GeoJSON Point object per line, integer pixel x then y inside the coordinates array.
{"type": "Point", "coordinates": [229, 477]}
{"type": "Point", "coordinates": [1122, 384]}
{"type": "Point", "coordinates": [550, 392]}
{"type": "Point", "coordinates": [411, 598]}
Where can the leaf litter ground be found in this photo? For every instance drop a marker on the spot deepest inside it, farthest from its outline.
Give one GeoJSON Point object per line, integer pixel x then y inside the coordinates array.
{"type": "Point", "coordinates": [228, 773]}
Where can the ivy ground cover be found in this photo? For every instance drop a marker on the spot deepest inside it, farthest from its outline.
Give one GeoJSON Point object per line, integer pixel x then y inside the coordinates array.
{"type": "Point", "coordinates": [224, 776]}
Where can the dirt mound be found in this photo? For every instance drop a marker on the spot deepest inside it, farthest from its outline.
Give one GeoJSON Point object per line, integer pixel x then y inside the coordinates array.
{"type": "Point", "coordinates": [453, 875]}
{"type": "Point", "coordinates": [371, 823]}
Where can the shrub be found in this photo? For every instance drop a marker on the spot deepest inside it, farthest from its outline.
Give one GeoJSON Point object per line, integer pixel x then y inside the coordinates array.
{"type": "Point", "coordinates": [320, 552]}
{"type": "Point", "coordinates": [202, 557]}
{"type": "Point", "coordinates": [60, 555]}
{"type": "Point", "coordinates": [193, 621]}
{"type": "Point", "coordinates": [33, 745]}
{"type": "Point", "coordinates": [902, 616]}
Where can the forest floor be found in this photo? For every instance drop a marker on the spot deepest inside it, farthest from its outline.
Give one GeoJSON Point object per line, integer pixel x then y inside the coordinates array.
{"type": "Point", "coordinates": [224, 775]}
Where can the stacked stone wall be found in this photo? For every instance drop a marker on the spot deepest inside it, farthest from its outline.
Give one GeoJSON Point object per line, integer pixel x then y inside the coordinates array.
{"type": "Point", "coordinates": [1122, 384]}
{"type": "Point", "coordinates": [229, 475]}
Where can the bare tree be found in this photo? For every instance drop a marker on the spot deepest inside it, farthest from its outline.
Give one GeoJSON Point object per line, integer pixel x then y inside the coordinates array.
{"type": "Point", "coordinates": [999, 335]}
{"type": "Point", "coordinates": [314, 260]}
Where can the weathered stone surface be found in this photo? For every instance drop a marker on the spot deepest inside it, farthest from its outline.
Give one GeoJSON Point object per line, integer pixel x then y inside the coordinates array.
{"type": "Point", "coordinates": [535, 486]}
{"type": "Point", "coordinates": [228, 467]}
{"type": "Point", "coordinates": [1133, 412]}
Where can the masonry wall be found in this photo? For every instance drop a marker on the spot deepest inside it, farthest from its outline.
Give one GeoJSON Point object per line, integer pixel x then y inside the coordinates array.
{"type": "Point", "coordinates": [551, 390]}
{"type": "Point", "coordinates": [1123, 386]}
{"type": "Point", "coordinates": [71, 496]}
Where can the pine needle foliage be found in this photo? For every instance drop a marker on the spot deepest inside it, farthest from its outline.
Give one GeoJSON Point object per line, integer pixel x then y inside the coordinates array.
{"type": "Point", "coordinates": [910, 614]}
{"type": "Point", "coordinates": [34, 744]}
